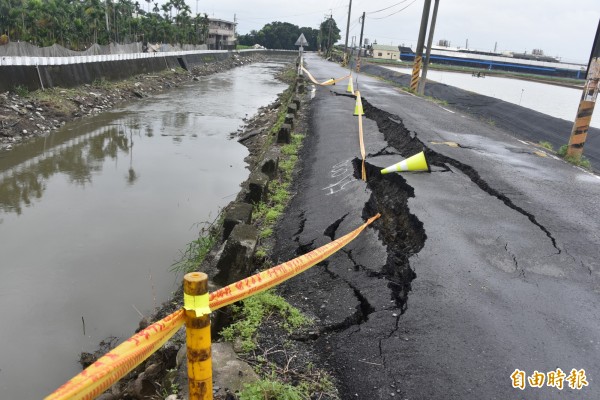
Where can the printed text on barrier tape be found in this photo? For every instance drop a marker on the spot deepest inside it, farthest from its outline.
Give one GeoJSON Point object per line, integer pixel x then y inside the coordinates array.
{"type": "Point", "coordinates": [325, 83]}
{"type": "Point", "coordinates": [274, 276]}
{"type": "Point", "coordinates": [111, 367]}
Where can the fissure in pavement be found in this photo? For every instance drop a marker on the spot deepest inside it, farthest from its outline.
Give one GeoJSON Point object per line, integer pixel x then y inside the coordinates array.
{"type": "Point", "coordinates": [398, 229]}
{"type": "Point", "coordinates": [400, 138]}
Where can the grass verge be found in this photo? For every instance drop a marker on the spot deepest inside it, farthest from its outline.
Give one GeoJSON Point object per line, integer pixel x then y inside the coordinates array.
{"type": "Point", "coordinates": [256, 310]}
{"type": "Point", "coordinates": [580, 162]}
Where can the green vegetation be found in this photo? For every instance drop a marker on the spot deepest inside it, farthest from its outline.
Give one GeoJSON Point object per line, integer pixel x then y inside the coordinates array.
{"type": "Point", "coordinates": [582, 162]}
{"type": "Point", "coordinates": [261, 252]}
{"type": "Point", "coordinates": [267, 213]}
{"type": "Point", "coordinates": [196, 251]}
{"type": "Point", "coordinates": [311, 382]}
{"type": "Point", "coordinates": [242, 47]}
{"type": "Point", "coordinates": [267, 389]}
{"type": "Point", "coordinates": [283, 35]}
{"type": "Point", "coordinates": [546, 145]}
{"type": "Point", "coordinates": [285, 99]}
{"type": "Point", "coordinates": [22, 91]}
{"type": "Point", "coordinates": [79, 24]}
{"type": "Point", "coordinates": [256, 310]}
{"type": "Point", "coordinates": [436, 100]}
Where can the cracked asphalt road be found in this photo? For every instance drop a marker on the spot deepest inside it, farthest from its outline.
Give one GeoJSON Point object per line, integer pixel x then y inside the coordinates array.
{"type": "Point", "coordinates": [486, 265]}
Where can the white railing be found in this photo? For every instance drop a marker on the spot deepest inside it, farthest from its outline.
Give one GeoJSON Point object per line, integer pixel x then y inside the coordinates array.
{"type": "Point", "coordinates": [24, 60]}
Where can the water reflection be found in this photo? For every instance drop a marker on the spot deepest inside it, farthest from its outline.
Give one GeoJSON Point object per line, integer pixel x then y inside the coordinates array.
{"type": "Point", "coordinates": [106, 203]}
{"type": "Point", "coordinates": [77, 159]}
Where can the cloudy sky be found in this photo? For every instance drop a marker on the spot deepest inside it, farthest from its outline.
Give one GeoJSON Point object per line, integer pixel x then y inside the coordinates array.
{"type": "Point", "coordinates": [561, 28]}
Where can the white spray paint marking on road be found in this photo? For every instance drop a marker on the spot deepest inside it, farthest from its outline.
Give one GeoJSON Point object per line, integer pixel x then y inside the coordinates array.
{"type": "Point", "coordinates": [337, 170]}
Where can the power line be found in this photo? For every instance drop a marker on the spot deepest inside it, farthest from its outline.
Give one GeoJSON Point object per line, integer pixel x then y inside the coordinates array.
{"type": "Point", "coordinates": [288, 16]}
{"type": "Point", "coordinates": [396, 12]}
{"type": "Point", "coordinates": [383, 9]}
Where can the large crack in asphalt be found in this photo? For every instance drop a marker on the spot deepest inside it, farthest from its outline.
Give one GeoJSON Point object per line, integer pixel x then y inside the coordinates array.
{"type": "Point", "coordinates": [399, 230]}
{"type": "Point", "coordinates": [400, 138]}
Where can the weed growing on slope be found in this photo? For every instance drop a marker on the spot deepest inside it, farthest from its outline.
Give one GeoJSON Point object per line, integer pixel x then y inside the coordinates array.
{"type": "Point", "coordinates": [267, 213]}
{"type": "Point", "coordinates": [254, 311]}
{"type": "Point", "coordinates": [196, 251]}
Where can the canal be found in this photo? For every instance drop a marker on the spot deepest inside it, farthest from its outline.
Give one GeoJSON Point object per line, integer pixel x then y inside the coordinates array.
{"type": "Point", "coordinates": [93, 216]}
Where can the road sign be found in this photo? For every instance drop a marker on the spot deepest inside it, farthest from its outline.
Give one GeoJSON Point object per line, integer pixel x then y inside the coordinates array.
{"type": "Point", "coordinates": [301, 40]}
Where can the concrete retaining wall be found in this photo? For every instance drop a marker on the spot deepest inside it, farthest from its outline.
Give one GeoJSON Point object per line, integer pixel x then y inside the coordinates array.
{"type": "Point", "coordinates": [82, 70]}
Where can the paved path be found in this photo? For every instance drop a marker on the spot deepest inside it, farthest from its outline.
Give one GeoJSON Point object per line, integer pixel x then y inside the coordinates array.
{"type": "Point", "coordinates": [504, 245]}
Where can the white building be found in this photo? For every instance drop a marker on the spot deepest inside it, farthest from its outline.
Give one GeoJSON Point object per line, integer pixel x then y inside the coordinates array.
{"type": "Point", "coordinates": [221, 34]}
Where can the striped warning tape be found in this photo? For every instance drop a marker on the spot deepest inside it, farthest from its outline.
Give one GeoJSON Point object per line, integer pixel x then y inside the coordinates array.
{"type": "Point", "coordinates": [361, 140]}
{"type": "Point", "coordinates": [328, 82]}
{"type": "Point", "coordinates": [111, 367]}
{"type": "Point", "coordinates": [274, 276]}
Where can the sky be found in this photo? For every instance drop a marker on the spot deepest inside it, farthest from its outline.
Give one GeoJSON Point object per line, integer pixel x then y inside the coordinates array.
{"type": "Point", "coordinates": [562, 28]}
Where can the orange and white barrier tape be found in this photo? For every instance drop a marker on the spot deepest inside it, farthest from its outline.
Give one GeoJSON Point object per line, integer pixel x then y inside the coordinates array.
{"type": "Point", "coordinates": [325, 83]}
{"type": "Point", "coordinates": [111, 367]}
{"type": "Point", "coordinates": [267, 279]}
{"type": "Point", "coordinates": [358, 111]}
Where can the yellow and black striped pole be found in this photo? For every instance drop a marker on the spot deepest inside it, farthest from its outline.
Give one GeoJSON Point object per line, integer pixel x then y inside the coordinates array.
{"type": "Point", "coordinates": [197, 332]}
{"type": "Point", "coordinates": [414, 81]}
{"type": "Point", "coordinates": [587, 103]}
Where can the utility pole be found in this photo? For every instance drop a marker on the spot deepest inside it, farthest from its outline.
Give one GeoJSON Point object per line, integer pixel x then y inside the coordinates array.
{"type": "Point", "coordinates": [587, 103]}
{"type": "Point", "coordinates": [329, 37]}
{"type": "Point", "coordinates": [429, 42]}
{"type": "Point", "coordinates": [414, 80]}
{"type": "Point", "coordinates": [347, 29]}
{"type": "Point", "coordinates": [362, 28]}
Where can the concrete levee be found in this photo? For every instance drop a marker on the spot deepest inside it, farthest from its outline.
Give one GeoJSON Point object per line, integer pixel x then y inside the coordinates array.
{"type": "Point", "coordinates": [34, 77]}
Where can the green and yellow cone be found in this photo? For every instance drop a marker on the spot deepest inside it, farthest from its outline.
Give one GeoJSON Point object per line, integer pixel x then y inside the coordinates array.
{"type": "Point", "coordinates": [358, 108]}
{"type": "Point", "coordinates": [350, 86]}
{"type": "Point", "coordinates": [418, 162]}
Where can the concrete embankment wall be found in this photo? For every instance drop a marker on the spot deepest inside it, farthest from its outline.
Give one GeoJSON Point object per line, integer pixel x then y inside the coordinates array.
{"type": "Point", "coordinates": [70, 75]}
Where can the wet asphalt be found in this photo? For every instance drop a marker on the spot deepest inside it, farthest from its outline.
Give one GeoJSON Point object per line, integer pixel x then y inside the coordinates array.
{"type": "Point", "coordinates": [504, 245]}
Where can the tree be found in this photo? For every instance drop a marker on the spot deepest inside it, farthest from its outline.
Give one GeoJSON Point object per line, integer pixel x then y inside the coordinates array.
{"type": "Point", "coordinates": [280, 35]}
{"type": "Point", "coordinates": [330, 34]}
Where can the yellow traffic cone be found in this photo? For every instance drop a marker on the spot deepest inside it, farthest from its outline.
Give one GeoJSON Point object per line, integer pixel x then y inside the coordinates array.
{"type": "Point", "coordinates": [358, 108]}
{"type": "Point", "coordinates": [350, 86]}
{"type": "Point", "coordinates": [418, 162]}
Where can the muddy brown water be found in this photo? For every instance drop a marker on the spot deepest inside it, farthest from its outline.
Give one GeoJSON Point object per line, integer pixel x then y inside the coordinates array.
{"type": "Point", "coordinates": [93, 216]}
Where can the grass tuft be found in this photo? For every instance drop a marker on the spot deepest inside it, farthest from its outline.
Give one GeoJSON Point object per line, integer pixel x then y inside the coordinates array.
{"type": "Point", "coordinates": [253, 311]}
{"type": "Point", "coordinates": [546, 145]}
{"type": "Point", "coordinates": [580, 162]}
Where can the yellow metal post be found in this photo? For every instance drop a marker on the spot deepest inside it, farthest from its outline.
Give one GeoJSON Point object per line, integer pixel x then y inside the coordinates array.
{"type": "Point", "coordinates": [585, 111]}
{"type": "Point", "coordinates": [414, 81]}
{"type": "Point", "coordinates": [197, 326]}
